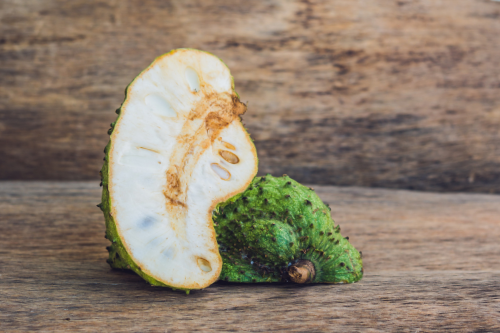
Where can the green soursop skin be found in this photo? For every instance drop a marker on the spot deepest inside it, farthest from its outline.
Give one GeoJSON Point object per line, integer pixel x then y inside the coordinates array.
{"type": "Point", "coordinates": [277, 225]}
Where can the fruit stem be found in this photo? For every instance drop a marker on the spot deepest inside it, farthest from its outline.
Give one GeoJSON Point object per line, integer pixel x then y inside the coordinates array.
{"type": "Point", "coordinates": [302, 271]}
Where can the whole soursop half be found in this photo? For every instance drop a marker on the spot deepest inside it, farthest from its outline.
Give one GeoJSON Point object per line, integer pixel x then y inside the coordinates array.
{"type": "Point", "coordinates": [278, 231]}
{"type": "Point", "coordinates": [177, 149]}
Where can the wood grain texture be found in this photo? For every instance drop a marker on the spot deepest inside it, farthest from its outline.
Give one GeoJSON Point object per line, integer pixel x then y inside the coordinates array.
{"type": "Point", "coordinates": [431, 264]}
{"type": "Point", "coordinates": [402, 94]}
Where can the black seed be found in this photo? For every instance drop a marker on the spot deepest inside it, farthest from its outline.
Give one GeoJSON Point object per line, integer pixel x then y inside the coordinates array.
{"type": "Point", "coordinates": [291, 244]}
{"type": "Point", "coordinates": [106, 236]}
{"type": "Point", "coordinates": [273, 224]}
{"type": "Point", "coordinates": [361, 254]}
{"type": "Point", "coordinates": [117, 111]}
{"type": "Point", "coordinates": [287, 196]}
{"type": "Point", "coordinates": [337, 242]}
{"type": "Point", "coordinates": [288, 183]}
{"type": "Point", "coordinates": [236, 209]}
{"type": "Point", "coordinates": [346, 237]}
{"type": "Point", "coordinates": [263, 179]}
{"type": "Point", "coordinates": [274, 239]}
{"type": "Point", "coordinates": [311, 225]}
{"type": "Point", "coordinates": [308, 202]}
{"type": "Point", "coordinates": [266, 201]}
{"type": "Point", "coordinates": [110, 131]}
{"type": "Point", "coordinates": [330, 233]}
{"type": "Point", "coordinates": [244, 198]}
{"type": "Point", "coordinates": [342, 264]}
{"type": "Point", "coordinates": [98, 205]}
{"type": "Point", "coordinates": [321, 233]}
{"type": "Point", "coordinates": [104, 159]}
{"type": "Point", "coordinates": [108, 248]}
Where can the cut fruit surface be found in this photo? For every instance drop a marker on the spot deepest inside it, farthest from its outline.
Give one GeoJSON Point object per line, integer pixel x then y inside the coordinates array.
{"type": "Point", "coordinates": [177, 149]}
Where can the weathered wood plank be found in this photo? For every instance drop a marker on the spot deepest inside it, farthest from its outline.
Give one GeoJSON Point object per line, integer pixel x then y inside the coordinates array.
{"type": "Point", "coordinates": [431, 264]}
{"type": "Point", "coordinates": [398, 94]}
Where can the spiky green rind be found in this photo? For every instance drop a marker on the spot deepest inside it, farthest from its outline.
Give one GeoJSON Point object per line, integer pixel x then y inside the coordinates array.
{"type": "Point", "coordinates": [118, 255]}
{"type": "Point", "coordinates": [275, 223]}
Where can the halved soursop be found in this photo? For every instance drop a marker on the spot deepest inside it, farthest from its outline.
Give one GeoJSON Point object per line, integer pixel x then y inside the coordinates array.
{"type": "Point", "coordinates": [280, 231]}
{"type": "Point", "coordinates": [177, 149]}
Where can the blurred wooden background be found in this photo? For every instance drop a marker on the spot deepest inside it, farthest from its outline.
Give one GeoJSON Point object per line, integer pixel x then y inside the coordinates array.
{"type": "Point", "coordinates": [401, 94]}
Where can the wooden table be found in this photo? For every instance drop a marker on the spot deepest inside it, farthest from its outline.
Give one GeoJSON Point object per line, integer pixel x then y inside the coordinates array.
{"type": "Point", "coordinates": [371, 93]}
{"type": "Point", "coordinates": [432, 263]}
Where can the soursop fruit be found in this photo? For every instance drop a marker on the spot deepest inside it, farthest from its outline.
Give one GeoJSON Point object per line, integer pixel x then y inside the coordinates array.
{"type": "Point", "coordinates": [279, 230]}
{"type": "Point", "coordinates": [177, 149]}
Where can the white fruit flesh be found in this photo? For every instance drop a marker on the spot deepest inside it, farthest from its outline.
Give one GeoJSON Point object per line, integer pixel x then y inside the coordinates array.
{"type": "Point", "coordinates": [178, 149]}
